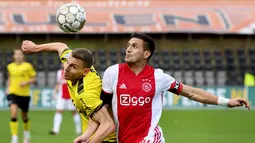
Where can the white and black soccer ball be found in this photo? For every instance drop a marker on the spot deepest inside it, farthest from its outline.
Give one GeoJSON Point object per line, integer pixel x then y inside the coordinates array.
{"type": "Point", "coordinates": [71, 17]}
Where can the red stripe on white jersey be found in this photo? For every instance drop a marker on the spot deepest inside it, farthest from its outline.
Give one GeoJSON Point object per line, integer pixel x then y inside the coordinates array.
{"type": "Point", "coordinates": [155, 136]}
{"type": "Point", "coordinates": [159, 134]}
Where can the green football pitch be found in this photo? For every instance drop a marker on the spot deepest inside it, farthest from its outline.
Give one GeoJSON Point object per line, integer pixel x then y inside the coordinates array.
{"type": "Point", "coordinates": [179, 126]}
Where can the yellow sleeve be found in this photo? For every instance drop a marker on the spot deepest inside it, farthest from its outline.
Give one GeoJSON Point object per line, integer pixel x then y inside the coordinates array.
{"type": "Point", "coordinates": [64, 55]}
{"type": "Point", "coordinates": [92, 102]}
{"type": "Point", "coordinates": [31, 71]}
{"type": "Point", "coordinates": [8, 68]}
{"type": "Point", "coordinates": [91, 97]}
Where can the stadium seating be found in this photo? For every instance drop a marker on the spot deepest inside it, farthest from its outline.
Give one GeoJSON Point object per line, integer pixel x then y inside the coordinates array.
{"type": "Point", "coordinates": [199, 67]}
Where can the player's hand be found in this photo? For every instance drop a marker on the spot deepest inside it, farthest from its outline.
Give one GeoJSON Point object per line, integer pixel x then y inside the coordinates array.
{"type": "Point", "coordinates": [7, 92]}
{"type": "Point", "coordinates": [22, 84]}
{"type": "Point", "coordinates": [28, 47]}
{"type": "Point", "coordinates": [237, 102]}
{"type": "Point", "coordinates": [84, 138]}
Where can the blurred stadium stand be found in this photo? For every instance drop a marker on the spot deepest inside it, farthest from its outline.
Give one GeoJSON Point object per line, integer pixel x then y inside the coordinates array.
{"type": "Point", "coordinates": [194, 51]}
{"type": "Point", "coordinates": [199, 66]}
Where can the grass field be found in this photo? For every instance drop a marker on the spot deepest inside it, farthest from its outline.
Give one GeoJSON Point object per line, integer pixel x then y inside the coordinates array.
{"type": "Point", "coordinates": [179, 126]}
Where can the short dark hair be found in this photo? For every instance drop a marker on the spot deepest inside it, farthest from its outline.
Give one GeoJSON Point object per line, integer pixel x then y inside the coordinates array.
{"type": "Point", "coordinates": [147, 40]}
{"type": "Point", "coordinates": [84, 55]}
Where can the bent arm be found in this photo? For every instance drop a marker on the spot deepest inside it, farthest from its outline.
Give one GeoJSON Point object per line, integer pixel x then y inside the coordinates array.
{"type": "Point", "coordinates": [106, 125]}
{"type": "Point", "coordinates": [56, 47]}
{"type": "Point", "coordinates": [31, 47]}
{"type": "Point", "coordinates": [31, 80]}
{"type": "Point", "coordinates": [92, 127]}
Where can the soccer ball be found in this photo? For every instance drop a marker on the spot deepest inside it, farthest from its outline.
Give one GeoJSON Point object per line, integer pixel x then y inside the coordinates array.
{"type": "Point", "coordinates": [71, 17]}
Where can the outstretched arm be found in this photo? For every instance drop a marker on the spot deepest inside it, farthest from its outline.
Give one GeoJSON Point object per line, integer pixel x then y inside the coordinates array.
{"type": "Point", "coordinates": [31, 47]}
{"type": "Point", "coordinates": [196, 94]}
{"type": "Point", "coordinates": [202, 96]}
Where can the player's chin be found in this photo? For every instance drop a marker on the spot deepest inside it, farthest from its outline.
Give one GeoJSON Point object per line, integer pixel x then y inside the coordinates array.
{"type": "Point", "coordinates": [67, 77]}
{"type": "Point", "coordinates": [127, 60]}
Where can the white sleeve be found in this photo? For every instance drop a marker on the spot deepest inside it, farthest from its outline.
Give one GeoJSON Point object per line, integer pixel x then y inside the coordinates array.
{"type": "Point", "coordinates": [59, 77]}
{"type": "Point", "coordinates": [108, 78]}
{"type": "Point", "coordinates": [168, 83]}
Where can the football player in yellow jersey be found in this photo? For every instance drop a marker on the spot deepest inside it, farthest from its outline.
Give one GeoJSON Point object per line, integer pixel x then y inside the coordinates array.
{"type": "Point", "coordinates": [85, 88]}
{"type": "Point", "coordinates": [20, 75]}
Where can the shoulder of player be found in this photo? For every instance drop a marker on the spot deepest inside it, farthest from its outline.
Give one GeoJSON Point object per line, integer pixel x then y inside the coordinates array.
{"type": "Point", "coordinates": [160, 74]}
{"type": "Point", "coordinates": [65, 51]}
{"type": "Point", "coordinates": [27, 64]}
{"type": "Point", "coordinates": [112, 69]}
{"type": "Point", "coordinates": [158, 71]}
{"type": "Point", "coordinates": [89, 84]}
{"type": "Point", "coordinates": [59, 71]}
{"type": "Point", "coordinates": [10, 64]}
{"type": "Point", "coordinates": [91, 79]}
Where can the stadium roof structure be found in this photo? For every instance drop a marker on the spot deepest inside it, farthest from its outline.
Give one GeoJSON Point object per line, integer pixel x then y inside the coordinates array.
{"type": "Point", "coordinates": [151, 16]}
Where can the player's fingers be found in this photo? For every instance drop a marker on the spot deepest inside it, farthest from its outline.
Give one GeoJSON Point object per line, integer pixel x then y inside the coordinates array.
{"type": "Point", "coordinates": [22, 48]}
{"type": "Point", "coordinates": [76, 141]}
{"type": "Point", "coordinates": [23, 45]}
{"type": "Point", "coordinates": [246, 103]}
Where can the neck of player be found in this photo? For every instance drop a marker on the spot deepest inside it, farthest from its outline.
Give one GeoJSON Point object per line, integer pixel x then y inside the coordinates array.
{"type": "Point", "coordinates": [137, 67]}
{"type": "Point", "coordinates": [19, 62]}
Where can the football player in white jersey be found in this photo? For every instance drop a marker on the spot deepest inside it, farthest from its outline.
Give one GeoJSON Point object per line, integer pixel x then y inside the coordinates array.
{"type": "Point", "coordinates": [135, 89]}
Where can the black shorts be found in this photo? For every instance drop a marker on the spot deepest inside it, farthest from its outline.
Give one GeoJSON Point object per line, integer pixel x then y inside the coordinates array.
{"type": "Point", "coordinates": [21, 101]}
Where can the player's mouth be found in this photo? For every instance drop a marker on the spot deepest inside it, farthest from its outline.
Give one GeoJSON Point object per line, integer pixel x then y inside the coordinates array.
{"type": "Point", "coordinates": [127, 56]}
{"type": "Point", "coordinates": [65, 74]}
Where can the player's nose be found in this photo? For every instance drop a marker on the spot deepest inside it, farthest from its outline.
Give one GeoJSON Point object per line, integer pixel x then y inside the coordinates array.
{"type": "Point", "coordinates": [128, 50]}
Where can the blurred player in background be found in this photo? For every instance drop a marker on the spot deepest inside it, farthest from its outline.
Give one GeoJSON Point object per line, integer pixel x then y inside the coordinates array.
{"type": "Point", "coordinates": [20, 75]}
{"type": "Point", "coordinates": [135, 91]}
{"type": "Point", "coordinates": [63, 101]}
{"type": "Point", "coordinates": [85, 87]}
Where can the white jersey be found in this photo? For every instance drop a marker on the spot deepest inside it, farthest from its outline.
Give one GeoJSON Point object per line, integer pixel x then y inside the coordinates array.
{"type": "Point", "coordinates": [63, 89]}
{"type": "Point", "coordinates": [63, 96]}
{"type": "Point", "coordinates": [137, 101]}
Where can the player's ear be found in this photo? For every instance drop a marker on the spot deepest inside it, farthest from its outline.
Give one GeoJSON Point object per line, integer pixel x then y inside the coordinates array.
{"type": "Point", "coordinates": [86, 70]}
{"type": "Point", "coordinates": [146, 54]}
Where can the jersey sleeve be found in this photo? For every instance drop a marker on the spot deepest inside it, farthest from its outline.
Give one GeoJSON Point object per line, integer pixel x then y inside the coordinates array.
{"type": "Point", "coordinates": [8, 68]}
{"type": "Point", "coordinates": [91, 97]}
{"type": "Point", "coordinates": [64, 55]}
{"type": "Point", "coordinates": [107, 80]}
{"type": "Point", "coordinates": [171, 85]}
{"type": "Point", "coordinates": [93, 103]}
{"type": "Point", "coordinates": [31, 71]}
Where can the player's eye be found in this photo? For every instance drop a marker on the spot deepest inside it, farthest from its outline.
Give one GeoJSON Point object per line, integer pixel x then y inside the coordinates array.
{"type": "Point", "coordinates": [74, 66]}
{"type": "Point", "coordinates": [134, 46]}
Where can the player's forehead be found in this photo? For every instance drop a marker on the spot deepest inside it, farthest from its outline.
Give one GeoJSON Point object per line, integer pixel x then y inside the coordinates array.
{"type": "Point", "coordinates": [18, 52]}
{"type": "Point", "coordinates": [135, 41]}
{"type": "Point", "coordinates": [72, 60]}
